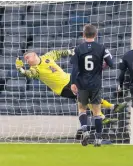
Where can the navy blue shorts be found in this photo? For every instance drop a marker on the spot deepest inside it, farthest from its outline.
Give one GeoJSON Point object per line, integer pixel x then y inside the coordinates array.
{"type": "Point", "coordinates": [91, 96]}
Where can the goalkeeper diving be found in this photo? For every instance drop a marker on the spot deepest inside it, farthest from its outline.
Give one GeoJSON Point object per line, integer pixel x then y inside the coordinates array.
{"type": "Point", "coordinates": [47, 71]}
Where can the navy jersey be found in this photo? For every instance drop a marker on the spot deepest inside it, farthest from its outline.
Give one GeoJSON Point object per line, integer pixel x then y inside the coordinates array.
{"type": "Point", "coordinates": [126, 63]}
{"type": "Point", "coordinates": [87, 65]}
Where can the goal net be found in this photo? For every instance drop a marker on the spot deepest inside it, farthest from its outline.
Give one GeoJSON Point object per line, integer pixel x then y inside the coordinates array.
{"type": "Point", "coordinates": [29, 110]}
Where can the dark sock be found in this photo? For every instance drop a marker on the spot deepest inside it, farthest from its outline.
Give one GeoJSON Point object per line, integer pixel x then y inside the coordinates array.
{"type": "Point", "coordinates": [90, 128]}
{"type": "Point", "coordinates": [98, 124]}
{"type": "Point", "coordinates": [83, 119]}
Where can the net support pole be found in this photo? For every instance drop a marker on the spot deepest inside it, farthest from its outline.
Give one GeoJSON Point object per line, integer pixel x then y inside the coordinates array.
{"type": "Point", "coordinates": [131, 135]}
{"type": "Point", "coordinates": [131, 108]}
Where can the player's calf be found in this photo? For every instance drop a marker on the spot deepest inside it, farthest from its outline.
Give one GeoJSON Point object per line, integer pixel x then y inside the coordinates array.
{"type": "Point", "coordinates": [82, 116]}
{"type": "Point", "coordinates": [82, 133]}
{"type": "Point", "coordinates": [98, 123]}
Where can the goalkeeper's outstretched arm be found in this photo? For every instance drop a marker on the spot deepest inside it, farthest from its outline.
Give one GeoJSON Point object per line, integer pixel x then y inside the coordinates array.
{"type": "Point", "coordinates": [31, 73]}
{"type": "Point", "coordinates": [57, 54]}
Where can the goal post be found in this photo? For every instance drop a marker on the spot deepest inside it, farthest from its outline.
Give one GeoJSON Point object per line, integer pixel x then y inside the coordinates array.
{"type": "Point", "coordinates": [131, 106]}
{"type": "Point", "coordinates": [29, 111]}
{"type": "Point", "coordinates": [131, 121]}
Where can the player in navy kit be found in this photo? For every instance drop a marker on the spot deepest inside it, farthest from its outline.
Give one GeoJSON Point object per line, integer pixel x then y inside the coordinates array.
{"type": "Point", "coordinates": [126, 64]}
{"type": "Point", "coordinates": [87, 79]}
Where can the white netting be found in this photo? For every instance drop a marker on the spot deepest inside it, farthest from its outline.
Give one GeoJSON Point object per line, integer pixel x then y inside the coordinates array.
{"type": "Point", "coordinates": [29, 110]}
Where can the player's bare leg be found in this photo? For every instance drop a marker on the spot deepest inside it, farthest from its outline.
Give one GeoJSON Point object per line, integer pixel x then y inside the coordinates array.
{"type": "Point", "coordinates": [96, 108]}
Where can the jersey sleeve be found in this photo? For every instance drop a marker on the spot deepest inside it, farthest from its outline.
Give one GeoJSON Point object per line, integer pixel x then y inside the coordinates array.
{"type": "Point", "coordinates": [108, 58]}
{"type": "Point", "coordinates": [123, 69]}
{"type": "Point", "coordinates": [75, 69]}
{"type": "Point", "coordinates": [122, 64]}
{"type": "Point", "coordinates": [32, 73]}
{"type": "Point", "coordinates": [57, 54]}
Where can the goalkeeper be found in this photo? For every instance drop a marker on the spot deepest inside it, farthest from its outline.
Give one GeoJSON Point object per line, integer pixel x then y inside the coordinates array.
{"type": "Point", "coordinates": [46, 70]}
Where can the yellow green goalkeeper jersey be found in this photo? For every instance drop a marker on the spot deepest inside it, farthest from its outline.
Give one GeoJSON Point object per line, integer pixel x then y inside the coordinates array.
{"type": "Point", "coordinates": [49, 72]}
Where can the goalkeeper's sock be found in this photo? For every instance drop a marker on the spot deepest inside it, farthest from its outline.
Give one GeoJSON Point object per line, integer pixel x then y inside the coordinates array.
{"type": "Point", "coordinates": [83, 121]}
{"type": "Point", "coordinates": [98, 125]}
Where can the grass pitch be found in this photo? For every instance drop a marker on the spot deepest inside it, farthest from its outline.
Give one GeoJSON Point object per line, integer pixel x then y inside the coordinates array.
{"type": "Point", "coordinates": [65, 155]}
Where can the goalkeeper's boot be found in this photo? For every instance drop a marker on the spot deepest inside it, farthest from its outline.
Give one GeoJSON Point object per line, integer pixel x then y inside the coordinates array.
{"type": "Point", "coordinates": [98, 140]}
{"type": "Point", "coordinates": [119, 107]}
{"type": "Point", "coordinates": [107, 121]}
{"type": "Point", "coordinates": [85, 139]}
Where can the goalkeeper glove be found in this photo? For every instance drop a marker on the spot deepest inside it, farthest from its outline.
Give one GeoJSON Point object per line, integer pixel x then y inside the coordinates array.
{"type": "Point", "coordinates": [71, 51]}
{"type": "Point", "coordinates": [19, 64]}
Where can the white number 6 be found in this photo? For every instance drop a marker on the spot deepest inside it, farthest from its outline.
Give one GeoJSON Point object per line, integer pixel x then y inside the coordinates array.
{"type": "Point", "coordinates": [89, 65]}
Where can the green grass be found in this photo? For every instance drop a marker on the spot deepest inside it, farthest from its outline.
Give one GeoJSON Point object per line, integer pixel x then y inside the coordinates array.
{"type": "Point", "coordinates": [64, 155]}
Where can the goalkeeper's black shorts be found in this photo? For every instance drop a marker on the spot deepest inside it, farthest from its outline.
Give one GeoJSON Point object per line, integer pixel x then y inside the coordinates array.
{"type": "Point", "coordinates": [66, 92]}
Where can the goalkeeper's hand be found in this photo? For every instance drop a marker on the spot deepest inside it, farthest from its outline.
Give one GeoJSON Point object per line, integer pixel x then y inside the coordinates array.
{"type": "Point", "coordinates": [19, 63]}
{"type": "Point", "coordinates": [71, 51]}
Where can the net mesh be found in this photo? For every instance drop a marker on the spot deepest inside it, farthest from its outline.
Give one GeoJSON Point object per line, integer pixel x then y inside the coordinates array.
{"type": "Point", "coordinates": [29, 110]}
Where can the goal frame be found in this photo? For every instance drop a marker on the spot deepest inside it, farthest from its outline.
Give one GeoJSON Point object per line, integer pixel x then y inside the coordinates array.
{"type": "Point", "coordinates": [131, 107]}
{"type": "Point", "coordinates": [38, 2]}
